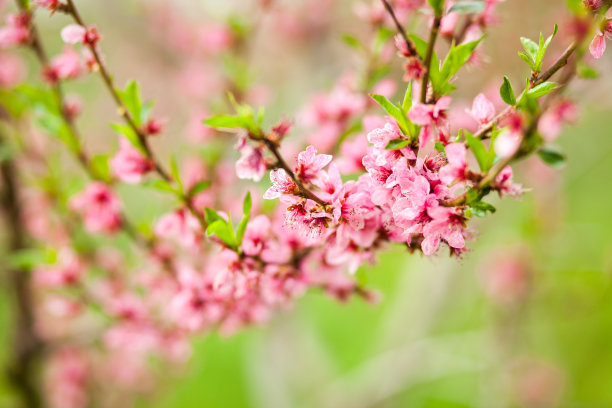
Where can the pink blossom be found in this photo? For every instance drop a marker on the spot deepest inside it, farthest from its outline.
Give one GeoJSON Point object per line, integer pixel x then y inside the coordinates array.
{"type": "Point", "coordinates": [256, 235]}
{"type": "Point", "coordinates": [252, 164]}
{"type": "Point", "coordinates": [64, 66]}
{"type": "Point", "coordinates": [504, 184]}
{"type": "Point", "coordinates": [67, 271]}
{"type": "Point", "coordinates": [66, 380]}
{"type": "Point", "coordinates": [430, 117]}
{"type": "Point", "coordinates": [455, 170]}
{"type": "Point", "coordinates": [180, 225]}
{"type": "Point", "coordinates": [99, 206]}
{"type": "Point", "coordinates": [507, 143]}
{"type": "Point", "coordinates": [413, 69]}
{"type": "Point", "coordinates": [48, 4]}
{"type": "Point", "coordinates": [447, 225]}
{"type": "Point", "coordinates": [598, 46]}
{"type": "Point", "coordinates": [309, 164]}
{"type": "Point", "coordinates": [281, 184]}
{"type": "Point", "coordinates": [77, 34]}
{"type": "Point", "coordinates": [129, 164]}
{"type": "Point", "coordinates": [12, 70]}
{"type": "Point", "coordinates": [17, 30]}
{"type": "Point", "coordinates": [551, 123]}
{"type": "Point", "coordinates": [483, 110]}
{"type": "Point", "coordinates": [594, 5]}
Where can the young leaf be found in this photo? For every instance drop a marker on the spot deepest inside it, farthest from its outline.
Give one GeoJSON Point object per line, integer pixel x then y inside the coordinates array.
{"type": "Point", "coordinates": [161, 185]}
{"type": "Point", "coordinates": [352, 42]}
{"type": "Point", "coordinates": [437, 6]}
{"type": "Point", "coordinates": [198, 188]}
{"type": "Point", "coordinates": [223, 230]}
{"type": "Point", "coordinates": [226, 121]}
{"type": "Point", "coordinates": [130, 97]}
{"type": "Point", "coordinates": [480, 208]}
{"type": "Point", "coordinates": [211, 215]}
{"type": "Point", "coordinates": [456, 58]}
{"type": "Point", "coordinates": [507, 93]}
{"type": "Point", "coordinates": [246, 210]}
{"type": "Point", "coordinates": [174, 171]}
{"type": "Point", "coordinates": [542, 89]}
{"type": "Point", "coordinates": [100, 167]}
{"type": "Point", "coordinates": [586, 72]}
{"type": "Point", "coordinates": [527, 60]}
{"type": "Point", "coordinates": [247, 204]}
{"type": "Point", "coordinates": [551, 157]}
{"type": "Point", "coordinates": [129, 134]}
{"type": "Point", "coordinates": [479, 150]}
{"type": "Point", "coordinates": [407, 103]}
{"type": "Point", "coordinates": [394, 111]}
{"type": "Point", "coordinates": [397, 144]}
{"type": "Point", "coordinates": [542, 47]}
{"type": "Point", "coordinates": [468, 7]}
{"type": "Point", "coordinates": [531, 48]}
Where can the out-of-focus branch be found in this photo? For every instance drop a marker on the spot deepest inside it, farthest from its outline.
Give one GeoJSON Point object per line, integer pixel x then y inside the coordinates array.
{"type": "Point", "coordinates": [27, 346]}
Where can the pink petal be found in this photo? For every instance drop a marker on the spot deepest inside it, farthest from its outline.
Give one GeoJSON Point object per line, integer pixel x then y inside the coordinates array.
{"type": "Point", "coordinates": [598, 46]}
{"type": "Point", "coordinates": [73, 34]}
{"type": "Point", "coordinates": [420, 114]}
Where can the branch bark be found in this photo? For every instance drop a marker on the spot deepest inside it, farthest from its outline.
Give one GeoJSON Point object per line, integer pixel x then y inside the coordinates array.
{"type": "Point", "coordinates": [27, 346]}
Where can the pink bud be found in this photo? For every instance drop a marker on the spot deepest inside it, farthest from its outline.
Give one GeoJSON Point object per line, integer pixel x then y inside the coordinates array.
{"type": "Point", "coordinates": [507, 143]}
{"type": "Point", "coordinates": [598, 46]}
{"type": "Point", "coordinates": [483, 110]}
{"type": "Point", "coordinates": [73, 34]}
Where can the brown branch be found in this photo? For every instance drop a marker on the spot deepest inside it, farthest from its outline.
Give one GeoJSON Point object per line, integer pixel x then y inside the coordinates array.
{"type": "Point", "coordinates": [433, 35]}
{"type": "Point", "coordinates": [281, 163]}
{"type": "Point", "coordinates": [402, 31]}
{"type": "Point", "coordinates": [490, 175]}
{"type": "Point", "coordinates": [27, 346]}
{"type": "Point", "coordinates": [142, 137]}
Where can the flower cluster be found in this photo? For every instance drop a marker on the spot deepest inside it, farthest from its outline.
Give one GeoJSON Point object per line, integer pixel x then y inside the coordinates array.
{"type": "Point", "coordinates": [414, 176]}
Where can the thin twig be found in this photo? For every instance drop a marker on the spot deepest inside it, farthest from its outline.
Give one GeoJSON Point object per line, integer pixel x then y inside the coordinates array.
{"type": "Point", "coordinates": [433, 35]}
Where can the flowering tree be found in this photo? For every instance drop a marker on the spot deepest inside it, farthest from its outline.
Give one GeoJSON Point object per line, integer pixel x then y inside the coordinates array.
{"type": "Point", "coordinates": [378, 170]}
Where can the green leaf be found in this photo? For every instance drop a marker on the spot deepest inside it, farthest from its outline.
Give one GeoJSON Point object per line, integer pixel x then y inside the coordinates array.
{"type": "Point", "coordinates": [542, 47]}
{"type": "Point", "coordinates": [130, 135]}
{"type": "Point", "coordinates": [507, 93]}
{"type": "Point", "coordinates": [211, 215]}
{"type": "Point", "coordinates": [457, 57]}
{"type": "Point", "coordinates": [100, 167]}
{"type": "Point", "coordinates": [130, 97]}
{"type": "Point", "coordinates": [226, 121]}
{"type": "Point", "coordinates": [397, 144]}
{"type": "Point", "coordinates": [419, 44]}
{"type": "Point", "coordinates": [551, 156]}
{"type": "Point", "coordinates": [531, 48]}
{"type": "Point", "coordinates": [352, 42]}
{"type": "Point", "coordinates": [246, 210]}
{"type": "Point", "coordinates": [407, 102]}
{"type": "Point", "coordinates": [468, 7]}
{"type": "Point", "coordinates": [437, 6]}
{"type": "Point", "coordinates": [32, 257]}
{"type": "Point", "coordinates": [479, 150]}
{"type": "Point", "coordinates": [480, 208]}
{"type": "Point", "coordinates": [223, 230]}
{"type": "Point", "coordinates": [394, 111]}
{"type": "Point", "coordinates": [160, 185]}
{"type": "Point", "coordinates": [526, 58]}
{"type": "Point", "coordinates": [174, 171]}
{"type": "Point", "coordinates": [198, 188]}
{"type": "Point", "coordinates": [542, 89]}
{"type": "Point", "coordinates": [586, 72]}
{"type": "Point", "coordinates": [247, 204]}
{"type": "Point", "coordinates": [439, 147]}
